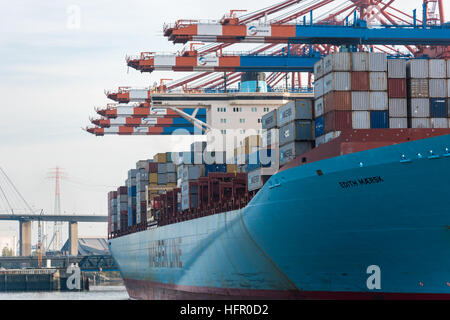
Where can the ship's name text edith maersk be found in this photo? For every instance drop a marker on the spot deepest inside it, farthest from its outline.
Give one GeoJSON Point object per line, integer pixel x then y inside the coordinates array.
{"type": "Point", "coordinates": [360, 182]}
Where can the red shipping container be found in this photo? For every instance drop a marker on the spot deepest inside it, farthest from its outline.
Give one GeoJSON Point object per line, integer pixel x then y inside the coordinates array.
{"type": "Point", "coordinates": [153, 167]}
{"type": "Point", "coordinates": [112, 195]}
{"type": "Point", "coordinates": [360, 81]}
{"type": "Point", "coordinates": [337, 100]}
{"type": "Point", "coordinates": [123, 220]}
{"type": "Point", "coordinates": [337, 121]}
{"type": "Point", "coordinates": [397, 88]}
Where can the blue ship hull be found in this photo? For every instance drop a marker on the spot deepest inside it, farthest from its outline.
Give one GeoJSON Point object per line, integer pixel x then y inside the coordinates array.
{"type": "Point", "coordinates": [312, 231]}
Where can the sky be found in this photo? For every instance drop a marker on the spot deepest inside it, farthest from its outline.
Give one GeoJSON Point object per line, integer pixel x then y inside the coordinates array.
{"type": "Point", "coordinates": [57, 58]}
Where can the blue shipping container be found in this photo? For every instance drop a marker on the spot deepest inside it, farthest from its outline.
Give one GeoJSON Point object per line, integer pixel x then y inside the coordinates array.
{"type": "Point", "coordinates": [130, 219]}
{"type": "Point", "coordinates": [261, 158]}
{"type": "Point", "coordinates": [132, 191]}
{"type": "Point", "coordinates": [438, 108]}
{"type": "Point", "coordinates": [215, 168]}
{"type": "Point", "coordinates": [379, 119]}
{"type": "Point", "coordinates": [319, 128]}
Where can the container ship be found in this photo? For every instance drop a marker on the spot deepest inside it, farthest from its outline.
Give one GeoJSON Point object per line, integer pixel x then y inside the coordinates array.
{"type": "Point", "coordinates": [343, 195]}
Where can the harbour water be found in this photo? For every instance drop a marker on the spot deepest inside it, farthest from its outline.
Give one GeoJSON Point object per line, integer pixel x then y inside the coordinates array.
{"type": "Point", "coordinates": [94, 293]}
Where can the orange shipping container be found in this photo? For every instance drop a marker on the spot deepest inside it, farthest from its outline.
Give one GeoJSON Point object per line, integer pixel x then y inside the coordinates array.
{"type": "Point", "coordinates": [397, 88]}
{"type": "Point", "coordinates": [360, 81]}
{"type": "Point", "coordinates": [337, 121]}
{"type": "Point", "coordinates": [337, 100]}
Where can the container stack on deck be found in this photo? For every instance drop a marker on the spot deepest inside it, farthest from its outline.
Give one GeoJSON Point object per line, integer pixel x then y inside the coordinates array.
{"type": "Point", "coordinates": [132, 188]}
{"type": "Point", "coordinates": [363, 90]}
{"type": "Point", "coordinates": [161, 178]}
{"type": "Point", "coordinates": [427, 83]}
{"type": "Point", "coordinates": [249, 145]}
{"type": "Point", "coordinates": [397, 94]}
{"type": "Point", "coordinates": [122, 208]}
{"type": "Point", "coordinates": [142, 168]}
{"type": "Point", "coordinates": [296, 129]}
{"type": "Point", "coordinates": [261, 164]}
{"type": "Point", "coordinates": [112, 211]}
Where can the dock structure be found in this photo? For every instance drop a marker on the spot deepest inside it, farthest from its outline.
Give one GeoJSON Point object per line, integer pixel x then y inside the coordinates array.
{"type": "Point", "coordinates": [22, 280]}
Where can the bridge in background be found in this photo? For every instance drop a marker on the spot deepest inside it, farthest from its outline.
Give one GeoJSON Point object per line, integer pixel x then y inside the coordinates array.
{"type": "Point", "coordinates": [25, 227]}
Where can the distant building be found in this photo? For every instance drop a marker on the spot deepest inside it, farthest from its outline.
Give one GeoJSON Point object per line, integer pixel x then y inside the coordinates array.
{"type": "Point", "coordinates": [8, 242]}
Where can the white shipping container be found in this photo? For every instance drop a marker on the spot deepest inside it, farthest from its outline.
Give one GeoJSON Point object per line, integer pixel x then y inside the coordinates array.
{"type": "Point", "coordinates": [318, 107]}
{"type": "Point", "coordinates": [378, 81]}
{"type": "Point", "coordinates": [379, 100]}
{"type": "Point", "coordinates": [327, 64]}
{"type": "Point", "coordinates": [398, 123]}
{"type": "Point", "coordinates": [448, 68]}
{"type": "Point", "coordinates": [437, 68]}
{"type": "Point", "coordinates": [254, 180]}
{"type": "Point", "coordinates": [318, 69]}
{"type": "Point", "coordinates": [440, 123]}
{"type": "Point", "coordinates": [419, 88]}
{"type": "Point", "coordinates": [138, 213]}
{"type": "Point", "coordinates": [318, 88]}
{"type": "Point", "coordinates": [361, 119]}
{"type": "Point", "coordinates": [448, 87]}
{"type": "Point", "coordinates": [360, 61]}
{"type": "Point", "coordinates": [396, 68]}
{"type": "Point", "coordinates": [418, 68]}
{"type": "Point", "coordinates": [420, 108]}
{"type": "Point", "coordinates": [377, 61]}
{"type": "Point", "coordinates": [270, 137]}
{"type": "Point", "coordinates": [437, 88]}
{"type": "Point", "coordinates": [361, 100]}
{"type": "Point", "coordinates": [398, 108]}
{"type": "Point", "coordinates": [337, 81]}
{"type": "Point", "coordinates": [339, 61]}
{"type": "Point", "coordinates": [420, 123]}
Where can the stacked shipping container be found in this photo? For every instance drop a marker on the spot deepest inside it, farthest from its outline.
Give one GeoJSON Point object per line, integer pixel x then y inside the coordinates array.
{"type": "Point", "coordinates": [122, 208]}
{"type": "Point", "coordinates": [112, 211]}
{"type": "Point", "coordinates": [162, 177]}
{"type": "Point", "coordinates": [354, 95]}
{"type": "Point", "coordinates": [295, 129]}
{"type": "Point", "coordinates": [132, 188]}
{"type": "Point", "coordinates": [364, 90]}
{"type": "Point", "coordinates": [142, 168]}
{"type": "Point", "coordinates": [397, 92]}
{"type": "Point", "coordinates": [428, 84]}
